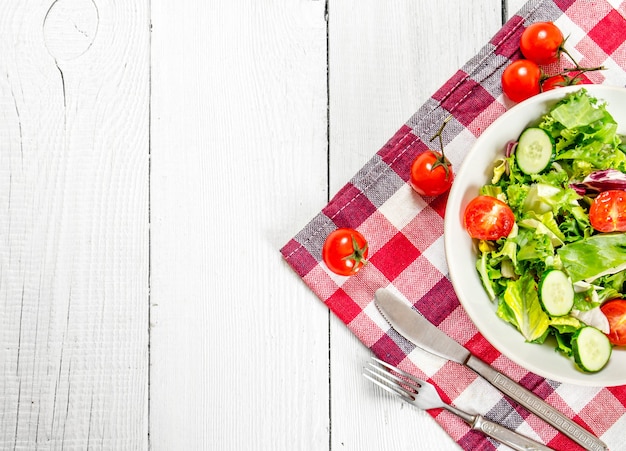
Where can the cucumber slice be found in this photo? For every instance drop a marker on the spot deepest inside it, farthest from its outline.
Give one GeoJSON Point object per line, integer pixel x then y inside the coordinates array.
{"type": "Point", "coordinates": [535, 150]}
{"type": "Point", "coordinates": [591, 348]}
{"type": "Point", "coordinates": [556, 293]}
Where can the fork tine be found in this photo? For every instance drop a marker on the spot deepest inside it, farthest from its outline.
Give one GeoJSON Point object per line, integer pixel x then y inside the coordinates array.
{"type": "Point", "coordinates": [387, 376]}
{"type": "Point", "coordinates": [388, 385]}
{"type": "Point", "coordinates": [409, 384]}
{"type": "Point", "coordinates": [416, 380]}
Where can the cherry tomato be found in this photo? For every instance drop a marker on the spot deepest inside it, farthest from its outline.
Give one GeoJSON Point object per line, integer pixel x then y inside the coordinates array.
{"type": "Point", "coordinates": [488, 218]}
{"type": "Point", "coordinates": [541, 43]}
{"type": "Point", "coordinates": [615, 312]}
{"type": "Point", "coordinates": [555, 82]}
{"type": "Point", "coordinates": [344, 251]}
{"type": "Point", "coordinates": [431, 174]}
{"type": "Point", "coordinates": [521, 79]}
{"type": "Point", "coordinates": [608, 211]}
{"type": "Point", "coordinates": [558, 81]}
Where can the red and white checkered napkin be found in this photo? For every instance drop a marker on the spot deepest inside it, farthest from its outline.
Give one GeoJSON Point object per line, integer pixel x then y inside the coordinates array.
{"type": "Point", "coordinates": [405, 234]}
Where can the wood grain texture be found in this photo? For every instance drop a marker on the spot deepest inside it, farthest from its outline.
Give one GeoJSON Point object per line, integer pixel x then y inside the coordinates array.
{"type": "Point", "coordinates": [385, 61]}
{"type": "Point", "coordinates": [239, 347]}
{"type": "Point", "coordinates": [154, 157]}
{"type": "Point", "coordinates": [74, 227]}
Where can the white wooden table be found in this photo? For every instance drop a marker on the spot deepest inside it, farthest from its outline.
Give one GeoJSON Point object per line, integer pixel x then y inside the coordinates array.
{"type": "Point", "coordinates": [154, 157]}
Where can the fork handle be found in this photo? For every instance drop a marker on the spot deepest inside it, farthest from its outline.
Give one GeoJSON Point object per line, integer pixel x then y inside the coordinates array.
{"type": "Point", "coordinates": [506, 436]}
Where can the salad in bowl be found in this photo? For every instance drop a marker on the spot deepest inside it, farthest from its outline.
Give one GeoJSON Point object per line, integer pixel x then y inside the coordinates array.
{"type": "Point", "coordinates": [535, 234]}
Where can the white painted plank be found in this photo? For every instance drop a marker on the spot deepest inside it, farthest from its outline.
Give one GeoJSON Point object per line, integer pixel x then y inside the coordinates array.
{"type": "Point", "coordinates": [74, 102]}
{"type": "Point", "coordinates": [238, 128]}
{"type": "Point", "coordinates": [384, 63]}
{"type": "Point", "coordinates": [239, 345]}
{"type": "Point", "coordinates": [513, 6]}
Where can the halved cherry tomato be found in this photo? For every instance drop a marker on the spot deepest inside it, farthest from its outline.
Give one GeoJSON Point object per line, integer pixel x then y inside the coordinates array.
{"type": "Point", "coordinates": [345, 251]}
{"type": "Point", "coordinates": [431, 174]}
{"type": "Point", "coordinates": [521, 80]}
{"type": "Point", "coordinates": [488, 218]}
{"type": "Point", "coordinates": [615, 312]}
{"type": "Point", "coordinates": [608, 211]}
{"type": "Point", "coordinates": [541, 43]}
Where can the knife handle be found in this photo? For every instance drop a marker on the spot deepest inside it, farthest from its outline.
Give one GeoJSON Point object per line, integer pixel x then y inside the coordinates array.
{"type": "Point", "coordinates": [508, 437]}
{"type": "Point", "coordinates": [536, 405]}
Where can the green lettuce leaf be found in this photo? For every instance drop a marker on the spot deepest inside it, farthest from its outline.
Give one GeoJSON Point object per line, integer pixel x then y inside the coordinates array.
{"type": "Point", "coordinates": [533, 245]}
{"type": "Point", "coordinates": [577, 110]}
{"type": "Point", "coordinates": [596, 153]}
{"type": "Point", "coordinates": [523, 309]}
{"type": "Point", "coordinates": [594, 257]}
{"type": "Point", "coordinates": [566, 324]}
{"type": "Point", "coordinates": [584, 133]}
{"type": "Point", "coordinates": [516, 194]}
{"type": "Point", "coordinates": [613, 286]}
{"type": "Point", "coordinates": [487, 273]}
{"type": "Point", "coordinates": [586, 300]}
{"type": "Point", "coordinates": [563, 342]}
{"type": "Point", "coordinates": [544, 224]}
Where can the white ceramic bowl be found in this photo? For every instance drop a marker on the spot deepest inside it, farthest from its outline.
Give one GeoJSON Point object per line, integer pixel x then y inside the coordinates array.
{"type": "Point", "coordinates": [461, 256]}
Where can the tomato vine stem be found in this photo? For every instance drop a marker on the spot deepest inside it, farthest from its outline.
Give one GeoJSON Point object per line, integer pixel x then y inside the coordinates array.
{"type": "Point", "coordinates": [358, 254]}
{"type": "Point", "coordinates": [567, 72]}
{"type": "Point", "coordinates": [441, 159]}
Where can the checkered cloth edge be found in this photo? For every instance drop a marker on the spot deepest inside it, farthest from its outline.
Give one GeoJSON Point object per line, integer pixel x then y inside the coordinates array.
{"type": "Point", "coordinates": [405, 235]}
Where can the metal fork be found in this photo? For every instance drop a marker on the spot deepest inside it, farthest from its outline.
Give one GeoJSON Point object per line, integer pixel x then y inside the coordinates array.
{"type": "Point", "coordinates": [424, 395]}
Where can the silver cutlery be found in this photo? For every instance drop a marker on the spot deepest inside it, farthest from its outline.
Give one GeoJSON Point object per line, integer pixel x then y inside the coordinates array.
{"type": "Point", "coordinates": [421, 332]}
{"type": "Point", "coordinates": [424, 395]}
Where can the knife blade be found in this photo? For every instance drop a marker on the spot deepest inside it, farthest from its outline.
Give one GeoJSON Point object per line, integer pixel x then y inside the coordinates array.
{"type": "Point", "coordinates": [423, 334]}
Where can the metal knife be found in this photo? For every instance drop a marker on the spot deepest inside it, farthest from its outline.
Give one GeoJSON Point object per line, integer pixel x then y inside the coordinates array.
{"type": "Point", "coordinates": [421, 332]}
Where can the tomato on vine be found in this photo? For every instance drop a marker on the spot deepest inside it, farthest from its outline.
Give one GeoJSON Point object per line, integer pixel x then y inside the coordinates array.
{"type": "Point", "coordinates": [554, 82]}
{"type": "Point", "coordinates": [521, 80]}
{"type": "Point", "coordinates": [345, 251]}
{"type": "Point", "coordinates": [542, 43]}
{"type": "Point", "coordinates": [431, 172]}
{"type": "Point", "coordinates": [561, 80]}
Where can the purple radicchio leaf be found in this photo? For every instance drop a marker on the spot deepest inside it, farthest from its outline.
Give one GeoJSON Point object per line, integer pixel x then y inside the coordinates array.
{"type": "Point", "coordinates": [599, 181]}
{"type": "Point", "coordinates": [510, 148]}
